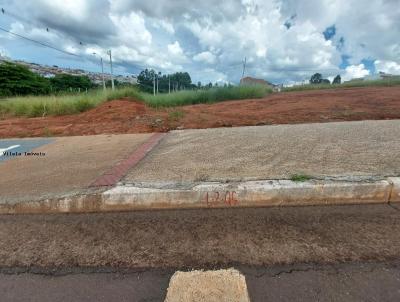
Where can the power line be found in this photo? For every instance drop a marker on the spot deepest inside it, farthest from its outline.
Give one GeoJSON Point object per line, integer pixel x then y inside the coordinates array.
{"type": "Point", "coordinates": [40, 43]}
{"type": "Point", "coordinates": [11, 14]}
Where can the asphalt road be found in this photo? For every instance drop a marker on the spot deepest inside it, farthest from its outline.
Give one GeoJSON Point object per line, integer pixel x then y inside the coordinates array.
{"type": "Point", "coordinates": [341, 282]}
{"type": "Point", "coordinates": [328, 253]}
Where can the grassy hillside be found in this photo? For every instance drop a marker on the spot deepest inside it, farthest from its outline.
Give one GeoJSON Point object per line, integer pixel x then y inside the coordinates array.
{"type": "Point", "coordinates": [181, 98]}
{"type": "Point", "coordinates": [35, 106]}
{"type": "Point", "coordinates": [371, 83]}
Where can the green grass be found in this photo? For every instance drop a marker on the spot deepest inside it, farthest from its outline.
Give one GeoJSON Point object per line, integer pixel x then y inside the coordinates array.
{"type": "Point", "coordinates": [300, 177]}
{"type": "Point", "coordinates": [190, 97]}
{"type": "Point", "coordinates": [37, 106]}
{"type": "Point", "coordinates": [34, 106]}
{"type": "Point", "coordinates": [370, 83]}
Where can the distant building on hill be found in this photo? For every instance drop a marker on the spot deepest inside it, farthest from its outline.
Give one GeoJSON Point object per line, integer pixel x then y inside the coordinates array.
{"type": "Point", "coordinates": [52, 71]}
{"type": "Point", "coordinates": [378, 76]}
{"type": "Point", "coordinates": [388, 76]}
{"type": "Point", "coordinates": [254, 81]}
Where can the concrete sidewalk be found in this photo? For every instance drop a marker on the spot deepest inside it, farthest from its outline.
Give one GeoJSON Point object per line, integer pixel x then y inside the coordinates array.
{"type": "Point", "coordinates": [346, 163]}
{"type": "Point", "coordinates": [346, 150]}
{"type": "Point", "coordinates": [59, 166]}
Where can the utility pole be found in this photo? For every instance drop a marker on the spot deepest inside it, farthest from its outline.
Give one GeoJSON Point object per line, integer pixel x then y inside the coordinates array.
{"type": "Point", "coordinates": [111, 67]}
{"type": "Point", "coordinates": [169, 85]}
{"type": "Point", "coordinates": [102, 72]}
{"type": "Point", "coordinates": [157, 83]}
{"type": "Point", "coordinates": [154, 83]}
{"type": "Point", "coordinates": [244, 68]}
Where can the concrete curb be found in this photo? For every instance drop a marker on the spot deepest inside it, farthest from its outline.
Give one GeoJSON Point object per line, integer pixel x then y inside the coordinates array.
{"type": "Point", "coordinates": [146, 196]}
{"type": "Point", "coordinates": [395, 191]}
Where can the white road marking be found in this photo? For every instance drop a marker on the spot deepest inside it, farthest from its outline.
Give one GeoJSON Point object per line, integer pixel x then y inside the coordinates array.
{"type": "Point", "coordinates": [8, 148]}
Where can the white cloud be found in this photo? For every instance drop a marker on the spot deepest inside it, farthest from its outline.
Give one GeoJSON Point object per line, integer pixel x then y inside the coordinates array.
{"type": "Point", "coordinates": [205, 32]}
{"type": "Point", "coordinates": [39, 34]}
{"type": "Point", "coordinates": [165, 34]}
{"type": "Point", "coordinates": [269, 46]}
{"type": "Point", "coordinates": [4, 52]}
{"type": "Point", "coordinates": [205, 57]}
{"type": "Point", "coordinates": [175, 49]}
{"type": "Point", "coordinates": [176, 53]}
{"type": "Point", "coordinates": [355, 72]}
{"type": "Point", "coordinates": [167, 26]}
{"type": "Point", "coordinates": [76, 9]}
{"type": "Point", "coordinates": [211, 75]}
{"type": "Point", "coordinates": [132, 30]}
{"type": "Point", "coordinates": [387, 67]}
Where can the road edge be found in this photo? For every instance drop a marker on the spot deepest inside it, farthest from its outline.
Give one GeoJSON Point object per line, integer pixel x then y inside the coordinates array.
{"type": "Point", "coordinates": [261, 193]}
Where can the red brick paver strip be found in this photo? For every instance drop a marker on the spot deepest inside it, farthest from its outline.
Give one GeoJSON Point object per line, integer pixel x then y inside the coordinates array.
{"type": "Point", "coordinates": [112, 176]}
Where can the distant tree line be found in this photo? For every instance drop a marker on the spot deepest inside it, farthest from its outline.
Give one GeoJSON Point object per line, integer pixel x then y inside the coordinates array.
{"type": "Point", "coordinates": [16, 79]}
{"type": "Point", "coordinates": [318, 79]}
{"type": "Point", "coordinates": [170, 82]}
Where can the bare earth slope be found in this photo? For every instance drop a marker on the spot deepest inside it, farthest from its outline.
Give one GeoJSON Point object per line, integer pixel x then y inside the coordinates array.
{"type": "Point", "coordinates": [129, 116]}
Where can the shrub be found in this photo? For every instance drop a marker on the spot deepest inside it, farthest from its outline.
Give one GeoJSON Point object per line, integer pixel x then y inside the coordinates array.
{"type": "Point", "coordinates": [33, 106]}
{"type": "Point", "coordinates": [190, 97]}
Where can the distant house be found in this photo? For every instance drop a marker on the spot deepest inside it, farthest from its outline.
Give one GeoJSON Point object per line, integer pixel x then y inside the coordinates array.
{"type": "Point", "coordinates": [254, 81]}
{"type": "Point", "coordinates": [373, 77]}
{"type": "Point", "coordinates": [387, 76]}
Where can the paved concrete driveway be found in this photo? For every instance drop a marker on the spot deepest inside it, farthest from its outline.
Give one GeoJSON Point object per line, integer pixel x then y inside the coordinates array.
{"type": "Point", "coordinates": [60, 165]}
{"type": "Point", "coordinates": [350, 149]}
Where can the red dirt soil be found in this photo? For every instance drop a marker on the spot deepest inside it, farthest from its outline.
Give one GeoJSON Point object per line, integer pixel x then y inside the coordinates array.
{"type": "Point", "coordinates": [129, 116]}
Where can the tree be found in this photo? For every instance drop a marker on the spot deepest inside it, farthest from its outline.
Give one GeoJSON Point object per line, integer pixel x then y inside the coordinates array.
{"type": "Point", "coordinates": [178, 80]}
{"type": "Point", "coordinates": [325, 81]}
{"type": "Point", "coordinates": [145, 80]}
{"type": "Point", "coordinates": [337, 80]}
{"type": "Point", "coordinates": [16, 79]}
{"type": "Point", "coordinates": [316, 78]}
{"type": "Point", "coordinates": [64, 82]}
{"type": "Point", "coordinates": [182, 79]}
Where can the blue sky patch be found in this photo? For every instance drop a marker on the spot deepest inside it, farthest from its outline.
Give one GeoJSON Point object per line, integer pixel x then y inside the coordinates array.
{"type": "Point", "coordinates": [345, 62]}
{"type": "Point", "coordinates": [330, 32]}
{"type": "Point", "coordinates": [369, 64]}
{"type": "Point", "coordinates": [289, 23]}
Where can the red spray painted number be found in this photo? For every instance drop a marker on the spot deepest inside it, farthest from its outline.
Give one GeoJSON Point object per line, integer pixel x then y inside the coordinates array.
{"type": "Point", "coordinates": [216, 198]}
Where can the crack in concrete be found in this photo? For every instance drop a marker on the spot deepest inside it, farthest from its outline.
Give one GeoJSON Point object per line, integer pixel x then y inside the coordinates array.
{"type": "Point", "coordinates": [251, 271]}
{"type": "Point", "coordinates": [60, 272]}
{"type": "Point", "coordinates": [333, 268]}
{"type": "Point", "coordinates": [393, 206]}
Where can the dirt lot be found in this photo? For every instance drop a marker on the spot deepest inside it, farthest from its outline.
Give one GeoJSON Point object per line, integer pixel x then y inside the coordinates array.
{"type": "Point", "coordinates": [129, 116]}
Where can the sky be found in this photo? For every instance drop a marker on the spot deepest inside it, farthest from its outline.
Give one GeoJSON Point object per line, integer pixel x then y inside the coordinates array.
{"type": "Point", "coordinates": [283, 41]}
